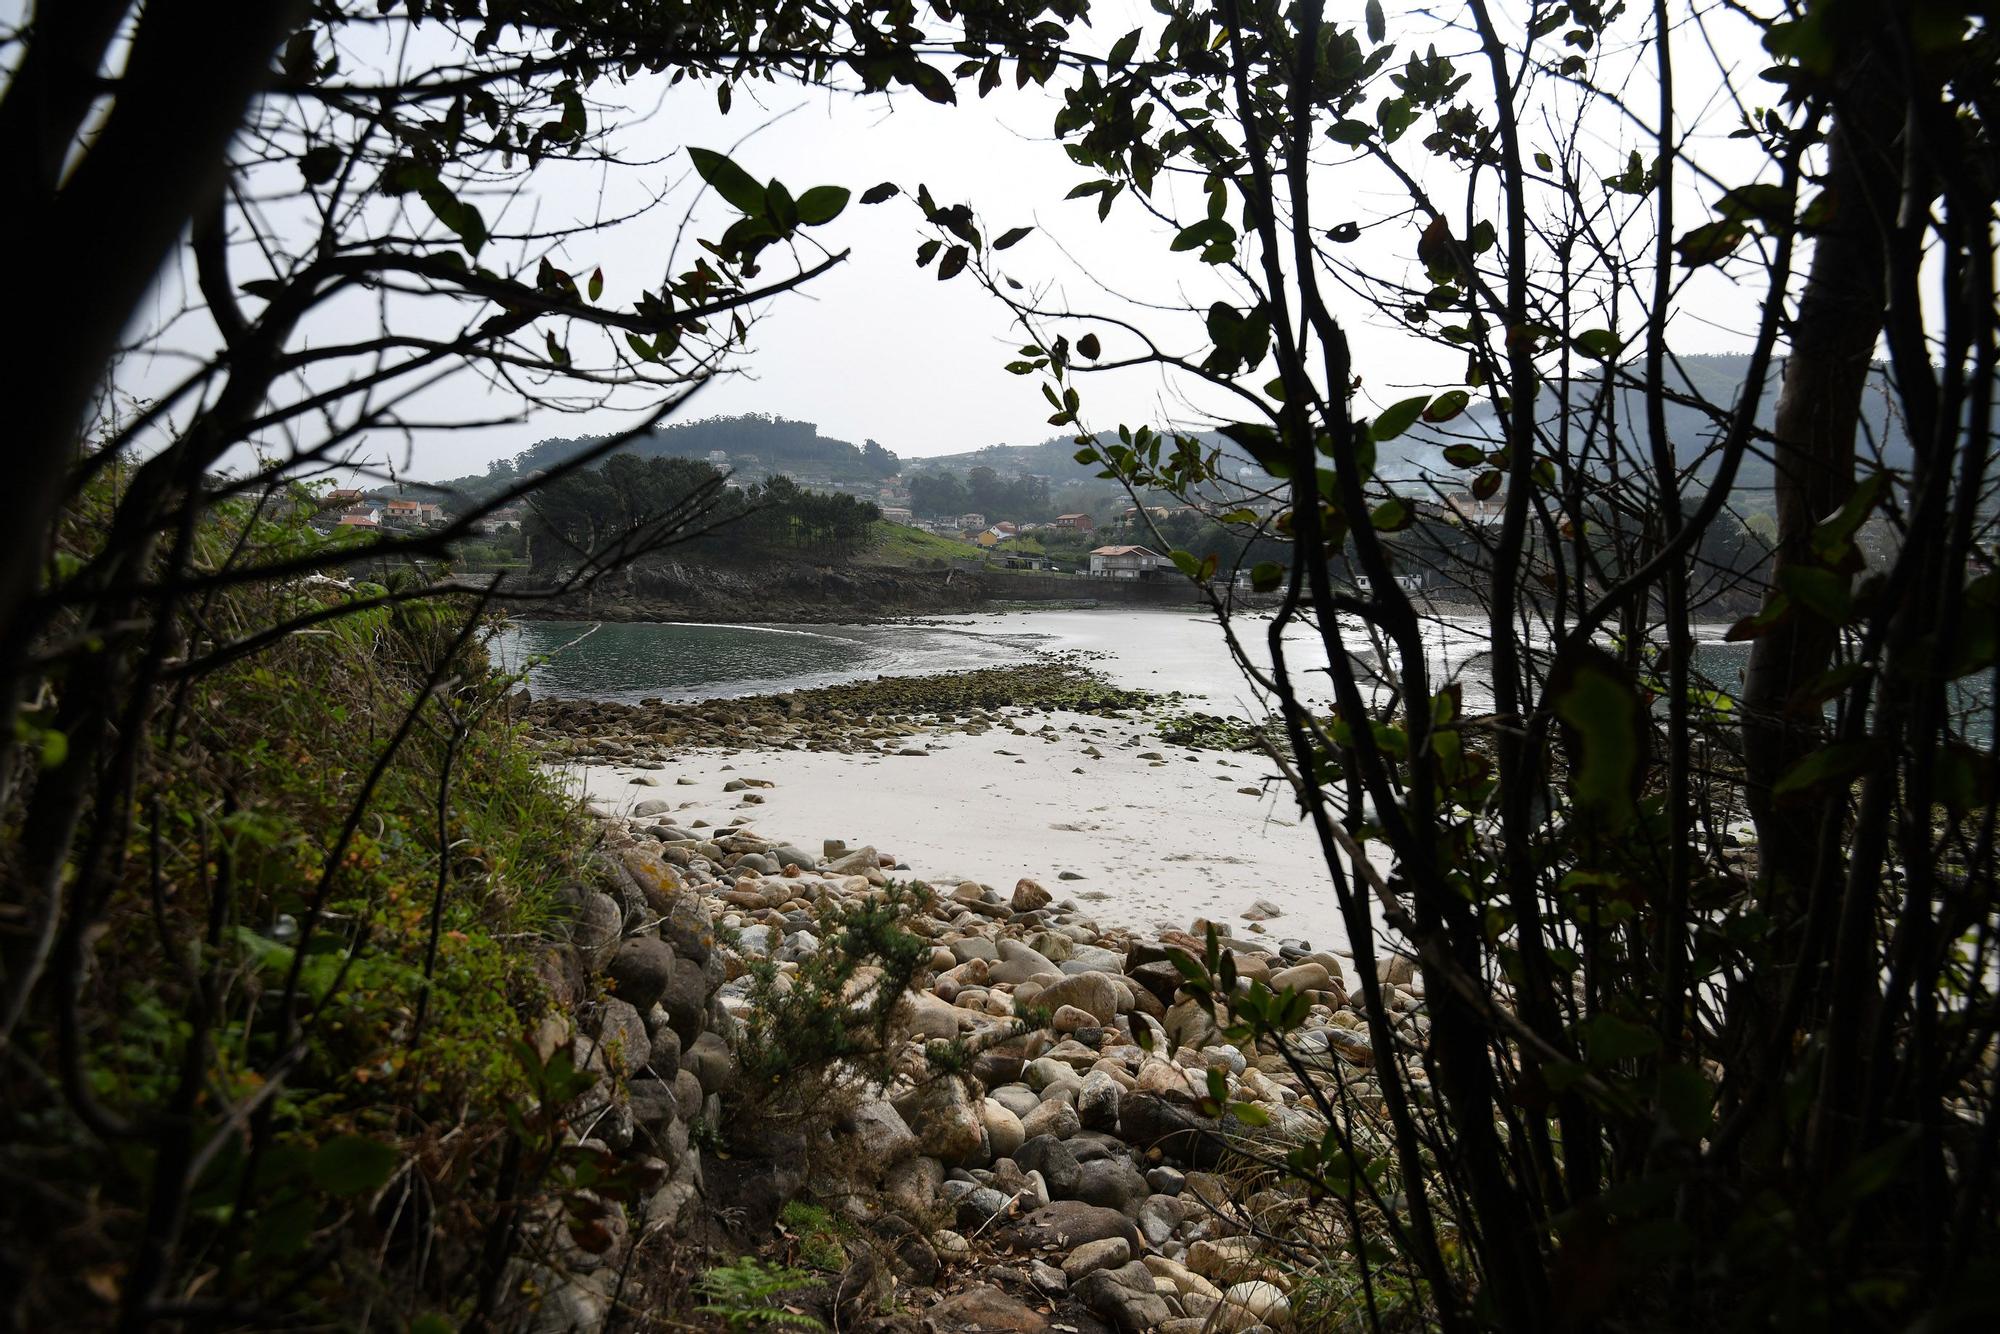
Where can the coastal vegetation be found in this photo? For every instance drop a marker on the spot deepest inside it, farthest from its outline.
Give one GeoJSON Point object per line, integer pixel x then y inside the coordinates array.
{"type": "Point", "coordinates": [1668, 1002]}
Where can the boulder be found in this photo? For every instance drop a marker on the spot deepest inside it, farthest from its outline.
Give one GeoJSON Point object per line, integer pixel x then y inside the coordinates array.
{"type": "Point", "coordinates": [1029, 896]}
{"type": "Point", "coordinates": [639, 969]}
{"type": "Point", "coordinates": [621, 1036]}
{"type": "Point", "coordinates": [1097, 1101]}
{"type": "Point", "coordinates": [1052, 1117]}
{"type": "Point", "coordinates": [986, 1310]}
{"type": "Point", "coordinates": [880, 1134]}
{"type": "Point", "coordinates": [598, 922]}
{"type": "Point", "coordinates": [1109, 1253]}
{"type": "Point", "coordinates": [1307, 976]}
{"type": "Point", "coordinates": [1147, 1123]}
{"type": "Point", "coordinates": [664, 1056]}
{"type": "Point", "coordinates": [1018, 964]}
{"type": "Point", "coordinates": [1264, 1304]}
{"type": "Point", "coordinates": [1092, 992]}
{"type": "Point", "coordinates": [858, 862]}
{"type": "Point", "coordinates": [710, 1059]}
{"type": "Point", "coordinates": [1396, 970]}
{"type": "Point", "coordinates": [948, 1121]}
{"type": "Point", "coordinates": [1125, 1296]}
{"type": "Point", "coordinates": [1160, 980]}
{"type": "Point", "coordinates": [1004, 1132]}
{"type": "Point", "coordinates": [1113, 1183]}
{"type": "Point", "coordinates": [1016, 1098]}
{"type": "Point", "coordinates": [787, 854]}
{"type": "Point", "coordinates": [926, 1016]}
{"type": "Point", "coordinates": [1066, 1224]}
{"type": "Point", "coordinates": [686, 999]}
{"type": "Point", "coordinates": [913, 1186]}
{"type": "Point", "coordinates": [1051, 1157]}
{"type": "Point", "coordinates": [1068, 1019]}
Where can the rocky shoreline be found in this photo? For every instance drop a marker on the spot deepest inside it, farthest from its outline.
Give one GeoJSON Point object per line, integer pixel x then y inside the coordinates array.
{"type": "Point", "coordinates": [1060, 1135]}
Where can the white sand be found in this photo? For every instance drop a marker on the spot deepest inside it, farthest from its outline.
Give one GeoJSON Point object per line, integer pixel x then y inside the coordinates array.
{"type": "Point", "coordinates": [1157, 844]}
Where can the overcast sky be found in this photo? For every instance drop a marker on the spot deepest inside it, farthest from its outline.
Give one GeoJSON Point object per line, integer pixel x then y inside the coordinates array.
{"type": "Point", "coordinates": [879, 349]}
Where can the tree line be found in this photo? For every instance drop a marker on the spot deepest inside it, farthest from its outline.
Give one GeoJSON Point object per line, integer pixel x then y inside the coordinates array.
{"type": "Point", "coordinates": [620, 503]}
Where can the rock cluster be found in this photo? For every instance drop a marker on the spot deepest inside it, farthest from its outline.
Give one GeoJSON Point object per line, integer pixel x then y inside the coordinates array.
{"type": "Point", "coordinates": [1072, 1144]}
{"type": "Point", "coordinates": [888, 714]}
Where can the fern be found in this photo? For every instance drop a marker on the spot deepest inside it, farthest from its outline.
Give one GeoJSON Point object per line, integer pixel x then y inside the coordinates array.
{"type": "Point", "coordinates": [743, 1295]}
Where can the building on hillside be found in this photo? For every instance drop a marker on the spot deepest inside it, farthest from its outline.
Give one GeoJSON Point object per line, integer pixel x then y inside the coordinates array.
{"type": "Point", "coordinates": [989, 539]}
{"type": "Point", "coordinates": [412, 514]}
{"type": "Point", "coordinates": [1007, 529]}
{"type": "Point", "coordinates": [1479, 513]}
{"type": "Point", "coordinates": [1076, 523]}
{"type": "Point", "coordinates": [1128, 562]}
{"type": "Point", "coordinates": [359, 517]}
{"type": "Point", "coordinates": [1409, 583]}
{"type": "Point", "coordinates": [506, 520]}
{"type": "Point", "coordinates": [343, 498]}
{"type": "Point", "coordinates": [897, 514]}
{"type": "Point", "coordinates": [971, 522]}
{"type": "Point", "coordinates": [718, 459]}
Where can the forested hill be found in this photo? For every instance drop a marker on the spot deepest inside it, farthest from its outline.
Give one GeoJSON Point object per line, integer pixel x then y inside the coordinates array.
{"type": "Point", "coordinates": [763, 444]}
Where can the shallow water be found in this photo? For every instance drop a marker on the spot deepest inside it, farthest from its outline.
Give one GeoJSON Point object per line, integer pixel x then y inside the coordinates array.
{"type": "Point", "coordinates": [1149, 649]}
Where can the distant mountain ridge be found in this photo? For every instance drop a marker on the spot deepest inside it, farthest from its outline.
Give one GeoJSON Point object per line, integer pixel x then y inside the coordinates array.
{"type": "Point", "coordinates": [761, 444]}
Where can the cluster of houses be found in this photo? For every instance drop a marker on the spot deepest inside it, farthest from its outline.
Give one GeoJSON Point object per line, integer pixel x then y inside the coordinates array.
{"type": "Point", "coordinates": [349, 507]}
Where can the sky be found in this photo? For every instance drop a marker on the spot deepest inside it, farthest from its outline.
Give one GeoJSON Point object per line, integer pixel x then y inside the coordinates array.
{"type": "Point", "coordinates": [879, 349]}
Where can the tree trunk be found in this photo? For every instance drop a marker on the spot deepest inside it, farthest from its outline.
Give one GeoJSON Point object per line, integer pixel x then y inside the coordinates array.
{"type": "Point", "coordinates": [1818, 410]}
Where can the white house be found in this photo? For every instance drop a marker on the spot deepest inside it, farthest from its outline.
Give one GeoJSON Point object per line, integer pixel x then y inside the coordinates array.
{"type": "Point", "coordinates": [1128, 563]}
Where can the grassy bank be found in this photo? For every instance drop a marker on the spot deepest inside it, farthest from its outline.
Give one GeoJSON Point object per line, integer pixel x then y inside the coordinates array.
{"type": "Point", "coordinates": [283, 1075]}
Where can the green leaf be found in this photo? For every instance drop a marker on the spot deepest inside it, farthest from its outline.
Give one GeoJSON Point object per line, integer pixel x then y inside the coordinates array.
{"type": "Point", "coordinates": [1392, 516]}
{"type": "Point", "coordinates": [1266, 575]}
{"type": "Point", "coordinates": [1012, 236]}
{"type": "Point", "coordinates": [1606, 728]}
{"type": "Point", "coordinates": [1710, 243]}
{"type": "Point", "coordinates": [1607, 1039]}
{"type": "Point", "coordinates": [1464, 456]}
{"type": "Point", "coordinates": [1447, 405]}
{"type": "Point", "coordinates": [736, 186]}
{"type": "Point", "coordinates": [320, 165]}
{"type": "Point", "coordinates": [1833, 535]}
{"type": "Point", "coordinates": [1343, 233]}
{"type": "Point", "coordinates": [1398, 417]}
{"type": "Point", "coordinates": [822, 204]}
{"type": "Point", "coordinates": [878, 194]}
{"type": "Point", "coordinates": [1377, 29]}
{"type": "Point", "coordinates": [1598, 344]}
{"type": "Point", "coordinates": [55, 748]}
{"type": "Point", "coordinates": [1688, 1100]}
{"type": "Point", "coordinates": [1758, 622]}
{"type": "Point", "coordinates": [1122, 50]}
{"type": "Point", "coordinates": [1487, 484]}
{"type": "Point", "coordinates": [1835, 765]}
{"type": "Point", "coordinates": [1768, 204]}
{"type": "Point", "coordinates": [1209, 231]}
{"type": "Point", "coordinates": [352, 1165]}
{"type": "Point", "coordinates": [1353, 133]}
{"type": "Point", "coordinates": [952, 263]}
{"type": "Point", "coordinates": [1088, 346]}
{"type": "Point", "coordinates": [596, 286]}
{"type": "Point", "coordinates": [1186, 562]}
{"type": "Point", "coordinates": [1820, 591]}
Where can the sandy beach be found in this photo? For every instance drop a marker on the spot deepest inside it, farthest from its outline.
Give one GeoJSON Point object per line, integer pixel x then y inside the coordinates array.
{"type": "Point", "coordinates": [1155, 842]}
